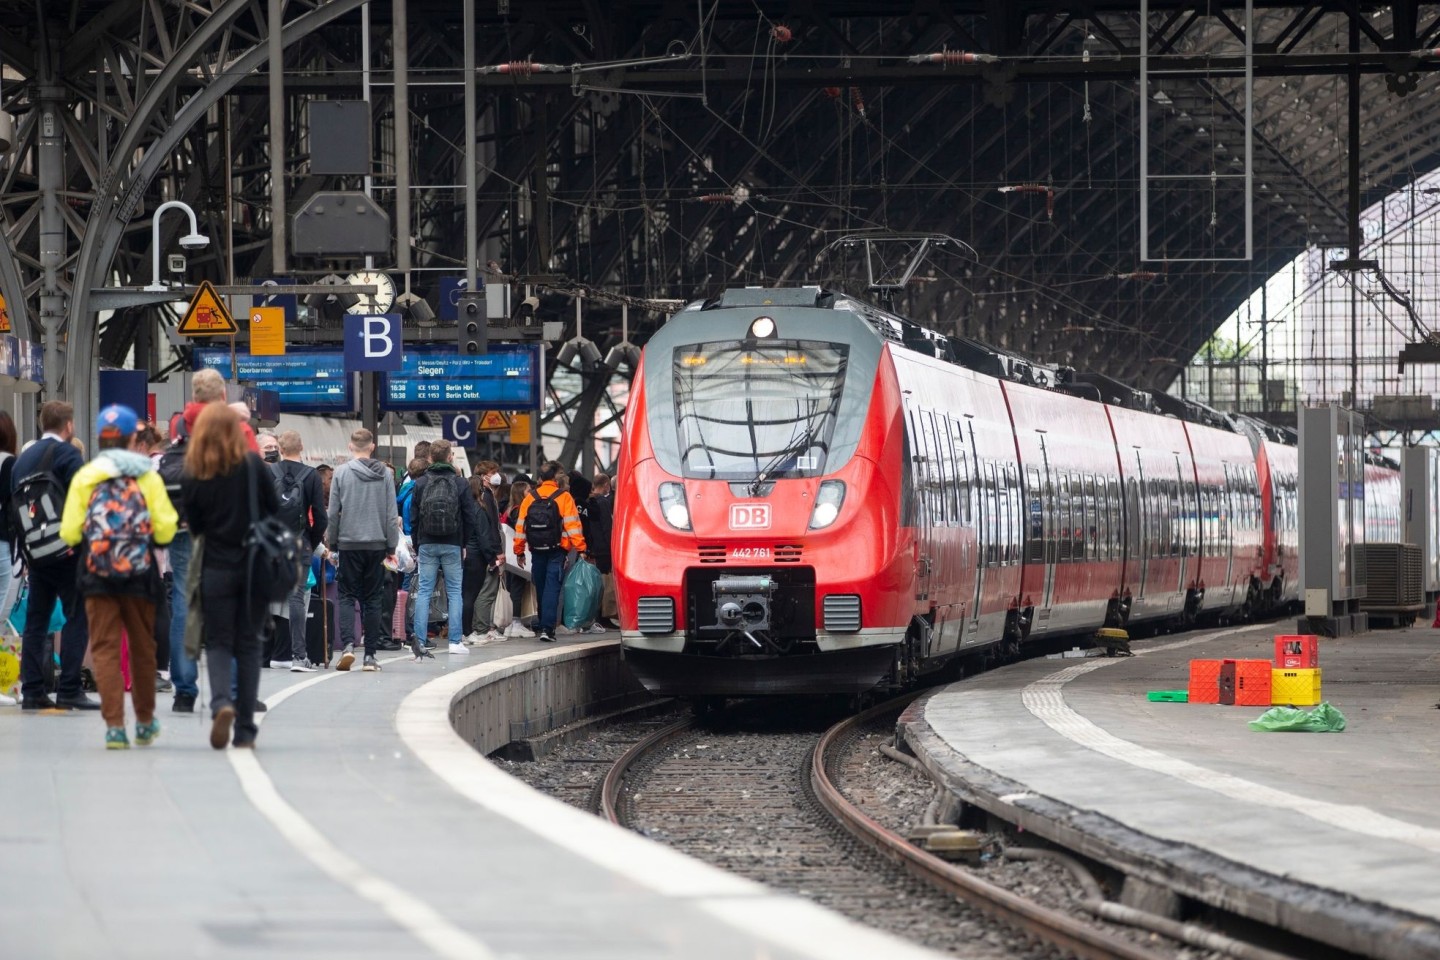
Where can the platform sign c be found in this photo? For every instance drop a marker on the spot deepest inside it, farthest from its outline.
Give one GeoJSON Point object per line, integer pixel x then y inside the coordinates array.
{"type": "Point", "coordinates": [459, 429]}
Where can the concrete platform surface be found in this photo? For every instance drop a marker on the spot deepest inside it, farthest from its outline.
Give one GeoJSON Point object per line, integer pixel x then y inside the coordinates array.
{"type": "Point", "coordinates": [1353, 813]}
{"type": "Point", "coordinates": [363, 826]}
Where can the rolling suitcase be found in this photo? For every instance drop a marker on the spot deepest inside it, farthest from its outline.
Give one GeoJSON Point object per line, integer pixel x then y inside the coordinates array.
{"type": "Point", "coordinates": [317, 631]}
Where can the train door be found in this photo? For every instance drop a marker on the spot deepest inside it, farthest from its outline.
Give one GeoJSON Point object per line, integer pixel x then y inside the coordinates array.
{"type": "Point", "coordinates": [1137, 528]}
{"type": "Point", "coordinates": [984, 527]}
{"type": "Point", "coordinates": [1054, 522]}
{"type": "Point", "coordinates": [922, 455]}
{"type": "Point", "coordinates": [1182, 510]}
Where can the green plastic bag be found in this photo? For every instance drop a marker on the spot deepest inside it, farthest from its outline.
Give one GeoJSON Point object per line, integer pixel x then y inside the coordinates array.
{"type": "Point", "coordinates": [1323, 719]}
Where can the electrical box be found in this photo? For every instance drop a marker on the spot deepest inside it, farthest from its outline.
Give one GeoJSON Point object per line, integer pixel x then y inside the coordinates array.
{"type": "Point", "coordinates": [1317, 602]}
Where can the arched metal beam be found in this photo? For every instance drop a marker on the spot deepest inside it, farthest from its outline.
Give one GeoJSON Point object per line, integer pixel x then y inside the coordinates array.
{"type": "Point", "coordinates": [111, 207]}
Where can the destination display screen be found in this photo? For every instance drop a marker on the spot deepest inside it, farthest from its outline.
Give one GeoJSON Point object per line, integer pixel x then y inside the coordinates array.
{"type": "Point", "coordinates": [435, 377]}
{"type": "Point", "coordinates": [312, 381]}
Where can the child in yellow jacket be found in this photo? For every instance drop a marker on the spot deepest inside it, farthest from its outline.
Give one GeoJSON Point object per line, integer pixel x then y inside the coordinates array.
{"type": "Point", "coordinates": [117, 506]}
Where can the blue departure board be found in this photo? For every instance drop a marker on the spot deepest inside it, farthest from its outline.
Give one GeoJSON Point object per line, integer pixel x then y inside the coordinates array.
{"type": "Point", "coordinates": [435, 377]}
{"type": "Point", "coordinates": [310, 381]}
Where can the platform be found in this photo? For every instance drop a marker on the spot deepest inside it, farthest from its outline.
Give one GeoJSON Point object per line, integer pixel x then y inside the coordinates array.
{"type": "Point", "coordinates": [363, 826]}
{"type": "Point", "coordinates": [1332, 835]}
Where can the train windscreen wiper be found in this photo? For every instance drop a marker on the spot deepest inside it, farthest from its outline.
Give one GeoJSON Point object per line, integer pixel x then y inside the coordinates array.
{"type": "Point", "coordinates": [806, 440]}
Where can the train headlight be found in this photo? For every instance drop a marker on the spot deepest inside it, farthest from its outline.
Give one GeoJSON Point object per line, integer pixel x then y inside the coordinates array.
{"type": "Point", "coordinates": [762, 328]}
{"type": "Point", "coordinates": [827, 504]}
{"type": "Point", "coordinates": [673, 505]}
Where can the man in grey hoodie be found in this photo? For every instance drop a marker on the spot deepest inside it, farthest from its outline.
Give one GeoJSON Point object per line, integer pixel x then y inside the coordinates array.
{"type": "Point", "coordinates": [364, 530]}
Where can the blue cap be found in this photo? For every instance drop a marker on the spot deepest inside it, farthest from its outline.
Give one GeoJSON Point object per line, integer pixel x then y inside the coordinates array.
{"type": "Point", "coordinates": [116, 421]}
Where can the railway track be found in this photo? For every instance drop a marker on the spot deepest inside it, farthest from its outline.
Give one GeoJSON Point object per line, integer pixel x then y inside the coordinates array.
{"type": "Point", "coordinates": [670, 784]}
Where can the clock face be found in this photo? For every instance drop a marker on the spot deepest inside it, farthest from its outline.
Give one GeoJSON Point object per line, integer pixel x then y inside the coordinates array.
{"type": "Point", "coordinates": [381, 300]}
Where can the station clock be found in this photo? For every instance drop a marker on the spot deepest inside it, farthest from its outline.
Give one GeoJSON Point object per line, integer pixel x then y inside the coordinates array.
{"type": "Point", "coordinates": [381, 300]}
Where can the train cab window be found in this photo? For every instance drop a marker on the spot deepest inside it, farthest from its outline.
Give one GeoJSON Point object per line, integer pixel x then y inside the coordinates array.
{"type": "Point", "coordinates": [745, 410]}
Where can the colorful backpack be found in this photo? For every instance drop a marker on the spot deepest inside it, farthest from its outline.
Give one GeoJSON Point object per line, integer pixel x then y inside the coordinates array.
{"type": "Point", "coordinates": [117, 531]}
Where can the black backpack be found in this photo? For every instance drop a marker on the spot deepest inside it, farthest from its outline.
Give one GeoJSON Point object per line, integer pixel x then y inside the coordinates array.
{"type": "Point", "coordinates": [542, 523]}
{"type": "Point", "coordinates": [439, 508]}
{"type": "Point", "coordinates": [36, 507]}
{"type": "Point", "coordinates": [272, 550]}
{"type": "Point", "coordinates": [172, 470]}
{"type": "Point", "coordinates": [290, 485]}
{"type": "Point", "coordinates": [7, 526]}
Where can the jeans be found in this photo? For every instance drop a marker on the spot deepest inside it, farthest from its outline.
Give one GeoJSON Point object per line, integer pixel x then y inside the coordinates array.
{"type": "Point", "coordinates": [48, 583]}
{"type": "Point", "coordinates": [233, 623]}
{"type": "Point", "coordinates": [440, 558]}
{"type": "Point", "coordinates": [184, 672]}
{"type": "Point", "coordinates": [547, 569]}
{"type": "Point", "coordinates": [362, 581]}
{"type": "Point", "coordinates": [9, 585]}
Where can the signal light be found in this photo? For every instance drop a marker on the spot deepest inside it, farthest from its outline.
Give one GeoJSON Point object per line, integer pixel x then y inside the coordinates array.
{"type": "Point", "coordinates": [472, 329]}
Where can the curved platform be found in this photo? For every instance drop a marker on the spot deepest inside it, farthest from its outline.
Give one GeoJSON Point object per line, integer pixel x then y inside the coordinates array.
{"type": "Point", "coordinates": [1332, 836]}
{"type": "Point", "coordinates": [364, 826]}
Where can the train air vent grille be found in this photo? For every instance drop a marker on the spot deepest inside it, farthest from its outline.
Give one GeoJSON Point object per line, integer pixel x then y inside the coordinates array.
{"type": "Point", "coordinates": [712, 553]}
{"type": "Point", "coordinates": [657, 615]}
{"type": "Point", "coordinates": [842, 613]}
{"type": "Point", "coordinates": [787, 553]}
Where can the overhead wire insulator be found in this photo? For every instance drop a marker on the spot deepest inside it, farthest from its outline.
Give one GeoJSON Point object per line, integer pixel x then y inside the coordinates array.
{"type": "Point", "coordinates": [857, 100]}
{"type": "Point", "coordinates": [716, 198]}
{"type": "Point", "coordinates": [522, 68]}
{"type": "Point", "coordinates": [953, 58]}
{"type": "Point", "coordinates": [1035, 188]}
{"type": "Point", "coordinates": [1137, 275]}
{"type": "Point", "coordinates": [781, 33]}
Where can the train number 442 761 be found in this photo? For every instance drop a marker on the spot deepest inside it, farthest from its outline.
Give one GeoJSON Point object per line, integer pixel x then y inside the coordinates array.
{"type": "Point", "coordinates": [750, 553]}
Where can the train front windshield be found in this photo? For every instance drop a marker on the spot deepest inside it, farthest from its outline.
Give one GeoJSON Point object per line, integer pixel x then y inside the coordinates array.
{"type": "Point", "coordinates": [765, 409]}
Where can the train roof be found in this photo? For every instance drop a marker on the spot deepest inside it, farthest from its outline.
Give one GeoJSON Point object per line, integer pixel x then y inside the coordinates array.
{"type": "Point", "coordinates": [976, 354]}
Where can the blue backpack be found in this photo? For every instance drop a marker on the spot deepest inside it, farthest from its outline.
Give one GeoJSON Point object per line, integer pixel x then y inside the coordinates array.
{"type": "Point", "coordinates": [402, 504]}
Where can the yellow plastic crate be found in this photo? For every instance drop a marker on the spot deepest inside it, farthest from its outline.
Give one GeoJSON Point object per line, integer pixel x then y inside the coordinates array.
{"type": "Point", "coordinates": [1296, 688]}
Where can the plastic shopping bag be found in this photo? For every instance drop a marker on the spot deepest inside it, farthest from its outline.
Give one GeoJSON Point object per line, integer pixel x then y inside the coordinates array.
{"type": "Point", "coordinates": [504, 612]}
{"type": "Point", "coordinates": [22, 610]}
{"type": "Point", "coordinates": [404, 556]}
{"type": "Point", "coordinates": [583, 588]}
{"type": "Point", "coordinates": [1323, 719]}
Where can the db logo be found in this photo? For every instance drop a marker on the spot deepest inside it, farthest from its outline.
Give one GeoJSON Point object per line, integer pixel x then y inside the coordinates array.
{"type": "Point", "coordinates": [749, 516]}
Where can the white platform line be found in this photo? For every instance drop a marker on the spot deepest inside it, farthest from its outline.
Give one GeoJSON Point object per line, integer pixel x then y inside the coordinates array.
{"type": "Point", "coordinates": [1045, 699]}
{"type": "Point", "coordinates": [412, 914]}
{"type": "Point", "coordinates": [423, 722]}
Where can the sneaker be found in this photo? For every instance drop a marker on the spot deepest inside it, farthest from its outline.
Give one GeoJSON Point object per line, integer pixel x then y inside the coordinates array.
{"type": "Point", "coordinates": [115, 739]}
{"type": "Point", "coordinates": [495, 636]}
{"type": "Point", "coordinates": [459, 649]}
{"type": "Point", "coordinates": [184, 703]}
{"type": "Point", "coordinates": [596, 628]}
{"type": "Point", "coordinates": [347, 657]}
{"type": "Point", "coordinates": [546, 637]}
{"type": "Point", "coordinates": [302, 666]}
{"type": "Point", "coordinates": [474, 639]}
{"type": "Point", "coordinates": [281, 664]}
{"type": "Point", "coordinates": [163, 684]}
{"type": "Point", "coordinates": [564, 631]}
{"type": "Point", "coordinates": [220, 727]}
{"type": "Point", "coordinates": [518, 629]}
{"type": "Point", "coordinates": [145, 733]}
{"type": "Point", "coordinates": [371, 665]}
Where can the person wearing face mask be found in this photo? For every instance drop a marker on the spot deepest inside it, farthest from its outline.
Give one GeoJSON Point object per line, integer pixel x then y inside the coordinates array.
{"type": "Point", "coordinates": [269, 446]}
{"type": "Point", "coordinates": [482, 572]}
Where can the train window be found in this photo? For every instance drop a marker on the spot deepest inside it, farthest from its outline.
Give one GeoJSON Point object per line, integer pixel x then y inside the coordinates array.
{"type": "Point", "coordinates": [1095, 517]}
{"type": "Point", "coordinates": [742, 411]}
{"type": "Point", "coordinates": [1117, 518]}
{"type": "Point", "coordinates": [962, 474]}
{"type": "Point", "coordinates": [1034, 518]}
{"type": "Point", "coordinates": [907, 480]}
{"type": "Point", "coordinates": [996, 519]}
{"type": "Point", "coordinates": [945, 470]}
{"type": "Point", "coordinates": [1012, 509]}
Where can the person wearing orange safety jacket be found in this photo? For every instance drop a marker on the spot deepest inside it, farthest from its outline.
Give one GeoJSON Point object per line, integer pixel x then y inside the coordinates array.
{"type": "Point", "coordinates": [549, 524]}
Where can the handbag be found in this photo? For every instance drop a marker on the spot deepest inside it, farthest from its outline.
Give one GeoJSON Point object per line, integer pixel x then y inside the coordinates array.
{"type": "Point", "coordinates": [22, 610]}
{"type": "Point", "coordinates": [272, 550]}
{"type": "Point", "coordinates": [503, 613]}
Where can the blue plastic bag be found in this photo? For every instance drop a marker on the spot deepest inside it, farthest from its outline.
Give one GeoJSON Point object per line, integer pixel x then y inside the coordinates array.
{"type": "Point", "coordinates": [583, 587]}
{"type": "Point", "coordinates": [22, 609]}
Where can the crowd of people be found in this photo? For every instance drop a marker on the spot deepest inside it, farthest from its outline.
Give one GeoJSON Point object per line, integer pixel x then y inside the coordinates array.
{"type": "Point", "coordinates": [148, 553]}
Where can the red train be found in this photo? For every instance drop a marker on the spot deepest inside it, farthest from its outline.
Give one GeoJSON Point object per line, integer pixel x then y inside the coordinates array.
{"type": "Point", "coordinates": [817, 496]}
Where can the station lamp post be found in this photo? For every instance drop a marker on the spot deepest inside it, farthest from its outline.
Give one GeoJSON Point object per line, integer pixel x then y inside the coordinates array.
{"type": "Point", "coordinates": [194, 240]}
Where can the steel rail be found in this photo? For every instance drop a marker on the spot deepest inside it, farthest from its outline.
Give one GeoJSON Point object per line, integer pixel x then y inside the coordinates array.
{"type": "Point", "coordinates": [1052, 926]}
{"type": "Point", "coordinates": [614, 781]}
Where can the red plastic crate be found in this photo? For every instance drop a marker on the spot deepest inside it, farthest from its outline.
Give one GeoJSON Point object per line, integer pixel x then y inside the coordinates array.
{"type": "Point", "coordinates": [1204, 681]}
{"type": "Point", "coordinates": [1297, 652]}
{"type": "Point", "coordinates": [1245, 683]}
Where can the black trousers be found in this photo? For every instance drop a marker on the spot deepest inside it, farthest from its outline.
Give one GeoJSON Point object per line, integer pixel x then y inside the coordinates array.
{"type": "Point", "coordinates": [362, 581]}
{"type": "Point", "coordinates": [387, 609]}
{"type": "Point", "coordinates": [471, 580]}
{"type": "Point", "coordinates": [48, 583]}
{"type": "Point", "coordinates": [162, 627]}
{"type": "Point", "coordinates": [233, 625]}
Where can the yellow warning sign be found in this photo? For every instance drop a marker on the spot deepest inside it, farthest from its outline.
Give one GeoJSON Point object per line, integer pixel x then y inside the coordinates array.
{"type": "Point", "coordinates": [207, 316]}
{"type": "Point", "coordinates": [520, 428]}
{"type": "Point", "coordinates": [493, 420]}
{"type": "Point", "coordinates": [4, 317]}
{"type": "Point", "coordinates": [267, 331]}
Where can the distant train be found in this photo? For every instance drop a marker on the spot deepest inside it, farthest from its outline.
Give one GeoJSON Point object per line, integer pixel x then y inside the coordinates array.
{"type": "Point", "coordinates": [817, 496]}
